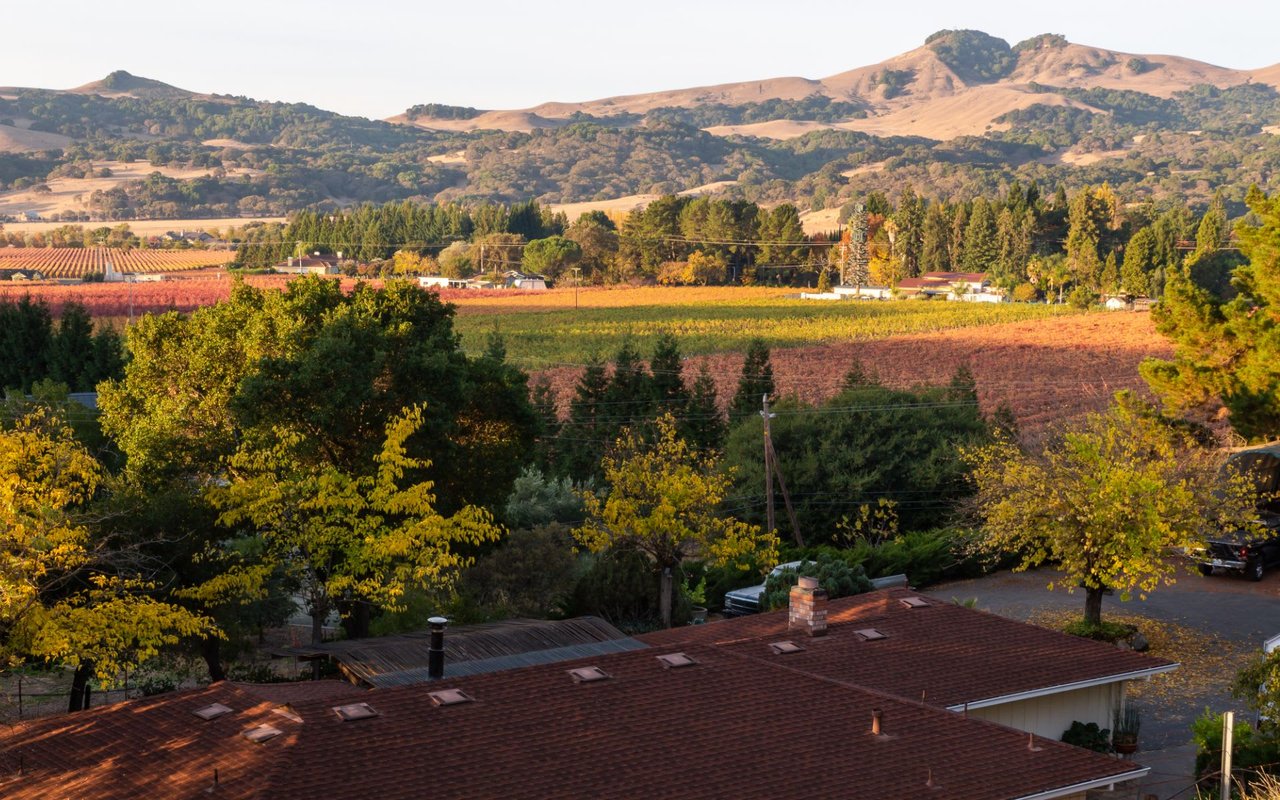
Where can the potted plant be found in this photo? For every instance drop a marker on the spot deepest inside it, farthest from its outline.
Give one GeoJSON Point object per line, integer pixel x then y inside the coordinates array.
{"type": "Point", "coordinates": [1124, 731]}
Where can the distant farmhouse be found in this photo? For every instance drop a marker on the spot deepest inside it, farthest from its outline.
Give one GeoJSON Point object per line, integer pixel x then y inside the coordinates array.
{"type": "Point", "coordinates": [314, 264]}
{"type": "Point", "coordinates": [890, 695]}
{"type": "Point", "coordinates": [511, 279]}
{"type": "Point", "coordinates": [21, 275]}
{"type": "Point", "coordinates": [188, 236]}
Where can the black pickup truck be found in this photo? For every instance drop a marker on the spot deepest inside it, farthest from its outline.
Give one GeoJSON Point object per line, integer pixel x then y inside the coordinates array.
{"type": "Point", "coordinates": [1251, 555]}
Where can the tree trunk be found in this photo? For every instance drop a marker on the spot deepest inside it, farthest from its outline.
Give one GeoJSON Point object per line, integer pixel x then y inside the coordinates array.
{"type": "Point", "coordinates": [80, 687]}
{"type": "Point", "coordinates": [665, 587]}
{"type": "Point", "coordinates": [1093, 606]}
{"type": "Point", "coordinates": [211, 651]}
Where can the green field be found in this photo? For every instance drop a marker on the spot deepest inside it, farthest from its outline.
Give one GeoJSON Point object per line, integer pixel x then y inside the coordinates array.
{"type": "Point", "coordinates": [544, 338]}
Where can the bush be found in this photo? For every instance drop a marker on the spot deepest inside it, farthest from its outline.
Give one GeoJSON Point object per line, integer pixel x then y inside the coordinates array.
{"type": "Point", "coordinates": [1111, 632]}
{"type": "Point", "coordinates": [536, 499]}
{"type": "Point", "coordinates": [1250, 749]}
{"type": "Point", "coordinates": [1089, 736]}
{"type": "Point", "coordinates": [1080, 297]}
{"type": "Point", "coordinates": [532, 574]}
{"type": "Point", "coordinates": [1025, 293]}
{"type": "Point", "coordinates": [622, 586]}
{"type": "Point", "coordinates": [834, 574]}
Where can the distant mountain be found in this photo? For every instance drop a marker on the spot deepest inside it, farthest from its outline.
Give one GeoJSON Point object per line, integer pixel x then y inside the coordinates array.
{"type": "Point", "coordinates": [964, 114]}
{"type": "Point", "coordinates": [957, 84]}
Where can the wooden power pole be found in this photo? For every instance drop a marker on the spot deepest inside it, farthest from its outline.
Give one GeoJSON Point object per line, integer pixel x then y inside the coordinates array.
{"type": "Point", "coordinates": [771, 472]}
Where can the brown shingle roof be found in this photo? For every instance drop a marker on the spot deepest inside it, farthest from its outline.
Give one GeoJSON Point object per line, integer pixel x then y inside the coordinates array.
{"type": "Point", "coordinates": [953, 655]}
{"type": "Point", "coordinates": [154, 747]}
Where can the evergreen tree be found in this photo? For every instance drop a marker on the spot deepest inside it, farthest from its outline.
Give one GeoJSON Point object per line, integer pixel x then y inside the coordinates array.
{"type": "Point", "coordinates": [955, 243]}
{"type": "Point", "coordinates": [26, 335]}
{"type": "Point", "coordinates": [547, 448]}
{"type": "Point", "coordinates": [667, 368]}
{"type": "Point", "coordinates": [1082, 240]}
{"type": "Point", "coordinates": [1139, 257]}
{"type": "Point", "coordinates": [629, 396]}
{"type": "Point", "coordinates": [981, 246]}
{"type": "Point", "coordinates": [909, 243]}
{"type": "Point", "coordinates": [587, 431]}
{"type": "Point", "coordinates": [1110, 280]}
{"type": "Point", "coordinates": [755, 382]}
{"type": "Point", "coordinates": [71, 350]}
{"type": "Point", "coordinates": [704, 425]}
{"type": "Point", "coordinates": [934, 240]}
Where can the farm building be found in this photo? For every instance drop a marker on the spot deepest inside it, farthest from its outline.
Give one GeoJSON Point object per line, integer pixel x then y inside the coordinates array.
{"type": "Point", "coordinates": [864, 292]}
{"type": "Point", "coordinates": [441, 282]}
{"type": "Point", "coordinates": [315, 264]}
{"type": "Point", "coordinates": [859, 698]}
{"type": "Point", "coordinates": [968, 286]}
{"type": "Point", "coordinates": [21, 275]}
{"type": "Point", "coordinates": [523, 280]}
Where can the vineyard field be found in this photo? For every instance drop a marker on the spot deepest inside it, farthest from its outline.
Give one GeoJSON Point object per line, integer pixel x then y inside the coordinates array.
{"type": "Point", "coordinates": [540, 338]}
{"type": "Point", "coordinates": [1044, 370]}
{"type": "Point", "coordinates": [76, 262]}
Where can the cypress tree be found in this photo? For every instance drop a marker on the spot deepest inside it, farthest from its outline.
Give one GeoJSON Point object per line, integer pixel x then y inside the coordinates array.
{"type": "Point", "coordinates": [586, 427]}
{"type": "Point", "coordinates": [71, 349]}
{"type": "Point", "coordinates": [630, 392]}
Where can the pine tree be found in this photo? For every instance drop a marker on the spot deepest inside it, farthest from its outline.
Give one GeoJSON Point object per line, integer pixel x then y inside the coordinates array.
{"type": "Point", "coordinates": [910, 239]}
{"type": "Point", "coordinates": [71, 350]}
{"type": "Point", "coordinates": [1110, 280]}
{"type": "Point", "coordinates": [704, 425]}
{"type": "Point", "coordinates": [547, 448]}
{"type": "Point", "coordinates": [587, 434]}
{"type": "Point", "coordinates": [630, 392]}
{"type": "Point", "coordinates": [756, 381]}
{"type": "Point", "coordinates": [1082, 240]}
{"type": "Point", "coordinates": [955, 243]}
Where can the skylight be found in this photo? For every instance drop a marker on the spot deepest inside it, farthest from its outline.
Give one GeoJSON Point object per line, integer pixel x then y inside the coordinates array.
{"type": "Point", "coordinates": [261, 733]}
{"type": "Point", "coordinates": [914, 602]}
{"type": "Point", "coordinates": [212, 711]}
{"type": "Point", "coordinates": [870, 634]}
{"type": "Point", "coordinates": [354, 711]}
{"type": "Point", "coordinates": [676, 660]}
{"type": "Point", "coordinates": [449, 697]}
{"type": "Point", "coordinates": [780, 648]}
{"type": "Point", "coordinates": [588, 674]}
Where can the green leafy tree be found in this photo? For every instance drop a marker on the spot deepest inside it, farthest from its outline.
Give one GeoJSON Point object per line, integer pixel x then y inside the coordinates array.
{"type": "Point", "coordinates": [347, 537]}
{"type": "Point", "coordinates": [1139, 262]}
{"type": "Point", "coordinates": [66, 596]}
{"type": "Point", "coordinates": [662, 501]}
{"type": "Point", "coordinates": [550, 257]}
{"type": "Point", "coordinates": [1107, 501]}
{"type": "Point", "coordinates": [1227, 350]}
{"type": "Point", "coordinates": [981, 243]}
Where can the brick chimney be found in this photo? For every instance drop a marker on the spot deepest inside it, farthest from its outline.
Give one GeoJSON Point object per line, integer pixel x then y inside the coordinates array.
{"type": "Point", "coordinates": [808, 608]}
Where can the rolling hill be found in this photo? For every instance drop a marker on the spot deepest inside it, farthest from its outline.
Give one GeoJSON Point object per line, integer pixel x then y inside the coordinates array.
{"type": "Point", "coordinates": [963, 114]}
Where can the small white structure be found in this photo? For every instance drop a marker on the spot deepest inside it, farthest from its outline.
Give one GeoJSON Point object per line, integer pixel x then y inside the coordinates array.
{"type": "Point", "coordinates": [523, 280]}
{"type": "Point", "coordinates": [978, 297]}
{"type": "Point", "coordinates": [308, 265]}
{"type": "Point", "coordinates": [864, 292]}
{"type": "Point", "coordinates": [441, 282]}
{"type": "Point", "coordinates": [821, 296]}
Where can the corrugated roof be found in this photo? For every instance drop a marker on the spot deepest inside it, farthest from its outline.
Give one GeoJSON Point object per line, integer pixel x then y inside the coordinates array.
{"type": "Point", "coordinates": [402, 659]}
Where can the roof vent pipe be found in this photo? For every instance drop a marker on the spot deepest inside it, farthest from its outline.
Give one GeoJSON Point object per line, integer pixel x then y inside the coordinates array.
{"type": "Point", "coordinates": [876, 714]}
{"type": "Point", "coordinates": [435, 656]}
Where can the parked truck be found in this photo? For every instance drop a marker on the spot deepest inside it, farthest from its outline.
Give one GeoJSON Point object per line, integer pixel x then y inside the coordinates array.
{"type": "Point", "coordinates": [1247, 553]}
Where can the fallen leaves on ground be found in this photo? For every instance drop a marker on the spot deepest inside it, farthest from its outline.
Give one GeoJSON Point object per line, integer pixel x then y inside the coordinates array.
{"type": "Point", "coordinates": [1209, 662]}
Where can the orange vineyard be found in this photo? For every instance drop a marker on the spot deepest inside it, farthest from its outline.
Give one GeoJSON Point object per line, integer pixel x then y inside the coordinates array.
{"type": "Point", "coordinates": [75, 262]}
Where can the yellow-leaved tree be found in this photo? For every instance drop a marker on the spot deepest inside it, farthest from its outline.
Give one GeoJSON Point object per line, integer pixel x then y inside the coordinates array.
{"type": "Point", "coordinates": [663, 501]}
{"type": "Point", "coordinates": [65, 596]}
{"type": "Point", "coordinates": [346, 539]}
{"type": "Point", "coordinates": [1108, 501]}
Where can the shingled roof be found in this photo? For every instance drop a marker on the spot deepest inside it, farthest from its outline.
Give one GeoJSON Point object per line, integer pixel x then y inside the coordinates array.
{"type": "Point", "coordinates": [729, 725]}
{"type": "Point", "coordinates": [743, 720]}
{"type": "Point", "coordinates": [950, 655]}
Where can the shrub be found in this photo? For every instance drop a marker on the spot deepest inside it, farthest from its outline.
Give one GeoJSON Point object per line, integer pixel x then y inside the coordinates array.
{"type": "Point", "coordinates": [1250, 749]}
{"type": "Point", "coordinates": [1025, 293]}
{"type": "Point", "coordinates": [834, 574]}
{"type": "Point", "coordinates": [536, 499]}
{"type": "Point", "coordinates": [1080, 297]}
{"type": "Point", "coordinates": [1103, 632]}
{"type": "Point", "coordinates": [1089, 736]}
{"type": "Point", "coordinates": [620, 585]}
{"type": "Point", "coordinates": [531, 574]}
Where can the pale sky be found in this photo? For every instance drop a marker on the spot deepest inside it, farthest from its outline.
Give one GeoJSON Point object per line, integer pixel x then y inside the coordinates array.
{"type": "Point", "coordinates": [377, 57]}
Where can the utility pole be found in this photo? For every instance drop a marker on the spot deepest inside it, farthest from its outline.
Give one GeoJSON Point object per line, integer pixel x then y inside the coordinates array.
{"type": "Point", "coordinates": [577, 278]}
{"type": "Point", "coordinates": [768, 468]}
{"type": "Point", "coordinates": [1228, 723]}
{"type": "Point", "coordinates": [771, 471]}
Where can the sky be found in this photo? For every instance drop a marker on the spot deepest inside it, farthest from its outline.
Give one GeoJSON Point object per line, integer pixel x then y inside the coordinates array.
{"type": "Point", "coordinates": [377, 57]}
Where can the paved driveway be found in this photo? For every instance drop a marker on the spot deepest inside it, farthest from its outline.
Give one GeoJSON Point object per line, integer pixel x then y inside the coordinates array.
{"type": "Point", "coordinates": [1236, 610]}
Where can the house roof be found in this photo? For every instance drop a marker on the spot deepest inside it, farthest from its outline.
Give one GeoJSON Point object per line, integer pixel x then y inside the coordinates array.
{"type": "Point", "coordinates": [946, 654]}
{"type": "Point", "coordinates": [967, 277]}
{"type": "Point", "coordinates": [730, 725]}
